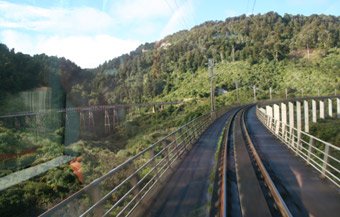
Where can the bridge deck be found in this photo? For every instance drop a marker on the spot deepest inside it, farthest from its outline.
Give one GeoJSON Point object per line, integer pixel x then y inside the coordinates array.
{"type": "Point", "coordinates": [186, 193]}
{"type": "Point", "coordinates": [304, 192]}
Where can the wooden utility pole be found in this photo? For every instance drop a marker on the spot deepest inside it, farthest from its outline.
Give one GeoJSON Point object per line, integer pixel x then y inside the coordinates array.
{"type": "Point", "coordinates": [237, 95]}
{"type": "Point", "coordinates": [212, 84]}
{"type": "Point", "coordinates": [307, 51]}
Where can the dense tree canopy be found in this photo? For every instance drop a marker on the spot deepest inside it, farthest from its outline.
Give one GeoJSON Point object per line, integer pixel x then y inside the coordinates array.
{"type": "Point", "coordinates": [152, 67]}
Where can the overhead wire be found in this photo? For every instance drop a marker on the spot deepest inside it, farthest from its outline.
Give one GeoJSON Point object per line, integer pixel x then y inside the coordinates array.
{"type": "Point", "coordinates": [182, 17]}
{"type": "Point", "coordinates": [252, 11]}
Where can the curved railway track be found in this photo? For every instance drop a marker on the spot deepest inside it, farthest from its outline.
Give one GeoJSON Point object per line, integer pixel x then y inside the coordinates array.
{"type": "Point", "coordinates": [245, 187]}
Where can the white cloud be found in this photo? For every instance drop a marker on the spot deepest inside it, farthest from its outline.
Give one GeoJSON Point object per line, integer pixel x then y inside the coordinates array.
{"type": "Point", "coordinates": [54, 20]}
{"type": "Point", "coordinates": [86, 35]}
{"type": "Point", "coordinates": [83, 35]}
{"type": "Point", "coordinates": [86, 51]}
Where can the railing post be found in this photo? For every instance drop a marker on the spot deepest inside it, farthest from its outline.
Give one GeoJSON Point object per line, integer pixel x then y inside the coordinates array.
{"type": "Point", "coordinates": [191, 136]}
{"type": "Point", "coordinates": [298, 145]}
{"type": "Point", "coordinates": [94, 197]}
{"type": "Point", "coordinates": [153, 163]}
{"type": "Point", "coordinates": [179, 143]}
{"type": "Point", "coordinates": [310, 144]}
{"type": "Point", "coordinates": [166, 153]}
{"type": "Point", "coordinates": [325, 160]}
{"type": "Point", "coordinates": [195, 128]}
{"type": "Point", "coordinates": [286, 132]}
{"type": "Point", "coordinates": [292, 144]}
{"type": "Point", "coordinates": [178, 137]}
{"type": "Point", "coordinates": [134, 183]}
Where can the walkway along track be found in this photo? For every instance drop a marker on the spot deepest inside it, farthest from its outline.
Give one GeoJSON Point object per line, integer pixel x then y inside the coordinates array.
{"type": "Point", "coordinates": [245, 187]}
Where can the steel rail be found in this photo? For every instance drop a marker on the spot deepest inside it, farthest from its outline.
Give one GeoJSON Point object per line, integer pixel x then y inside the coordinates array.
{"type": "Point", "coordinates": [223, 197]}
{"type": "Point", "coordinates": [223, 186]}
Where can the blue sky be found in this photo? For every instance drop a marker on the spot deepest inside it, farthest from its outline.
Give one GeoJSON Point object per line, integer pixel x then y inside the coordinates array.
{"type": "Point", "coordinates": [88, 32]}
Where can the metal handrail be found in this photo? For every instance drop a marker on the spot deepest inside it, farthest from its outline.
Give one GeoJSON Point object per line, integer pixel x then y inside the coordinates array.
{"type": "Point", "coordinates": [130, 190]}
{"type": "Point", "coordinates": [304, 144]}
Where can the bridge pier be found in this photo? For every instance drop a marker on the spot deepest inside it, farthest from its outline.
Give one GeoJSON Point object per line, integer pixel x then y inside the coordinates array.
{"type": "Point", "coordinates": [154, 109]}
{"type": "Point", "coordinates": [114, 117]}
{"type": "Point", "coordinates": [330, 108]}
{"type": "Point", "coordinates": [291, 122]}
{"type": "Point", "coordinates": [284, 120]}
{"type": "Point", "coordinates": [107, 124]}
{"type": "Point", "coordinates": [298, 116]}
{"type": "Point", "coordinates": [314, 116]}
{"type": "Point", "coordinates": [277, 118]}
{"type": "Point", "coordinates": [91, 120]}
{"type": "Point", "coordinates": [338, 107]}
{"type": "Point", "coordinates": [269, 111]}
{"type": "Point", "coordinates": [306, 115]}
{"type": "Point", "coordinates": [291, 115]}
{"type": "Point", "coordinates": [298, 123]}
{"type": "Point", "coordinates": [322, 109]}
{"type": "Point", "coordinates": [82, 121]}
{"type": "Point", "coordinates": [16, 123]}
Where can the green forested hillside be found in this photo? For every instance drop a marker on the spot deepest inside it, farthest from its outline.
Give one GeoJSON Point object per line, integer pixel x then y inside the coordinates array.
{"type": "Point", "coordinates": [264, 50]}
{"type": "Point", "coordinates": [21, 72]}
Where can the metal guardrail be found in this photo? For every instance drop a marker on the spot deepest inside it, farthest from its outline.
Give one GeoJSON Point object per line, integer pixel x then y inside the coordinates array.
{"type": "Point", "coordinates": [120, 191]}
{"type": "Point", "coordinates": [321, 155]}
